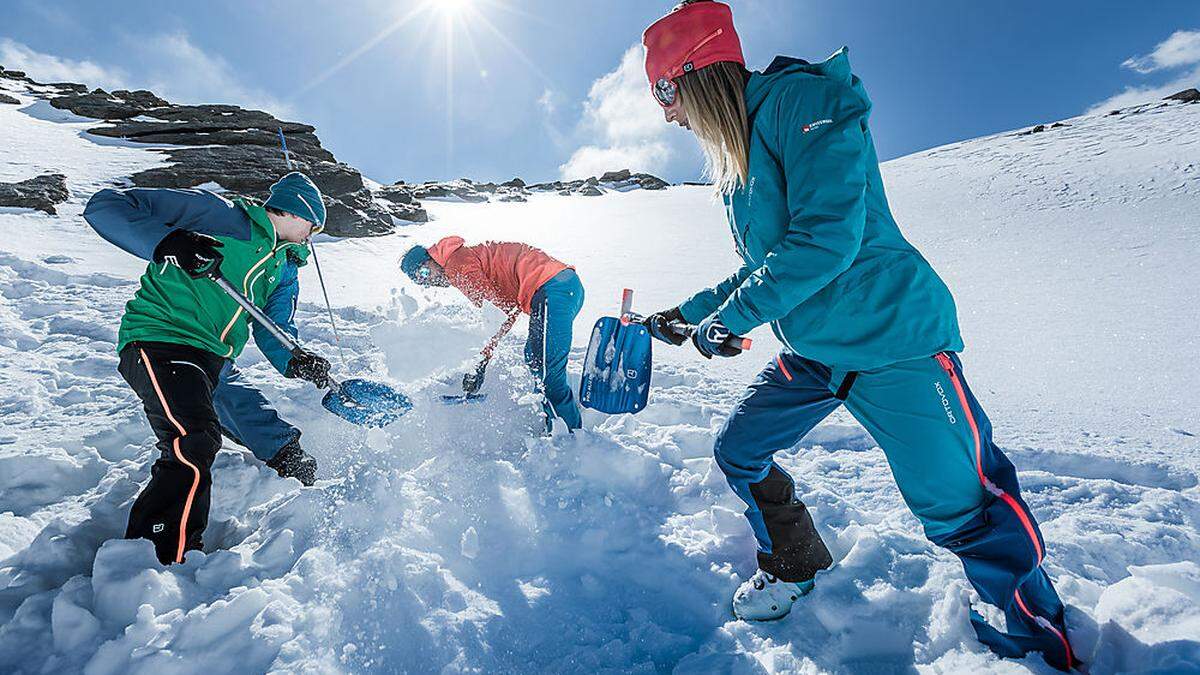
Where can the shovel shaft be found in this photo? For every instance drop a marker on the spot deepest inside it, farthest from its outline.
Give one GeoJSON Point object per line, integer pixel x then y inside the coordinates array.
{"type": "Point", "coordinates": [262, 319]}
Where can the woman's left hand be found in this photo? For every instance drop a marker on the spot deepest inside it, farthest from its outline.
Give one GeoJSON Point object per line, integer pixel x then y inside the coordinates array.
{"type": "Point", "coordinates": [712, 338]}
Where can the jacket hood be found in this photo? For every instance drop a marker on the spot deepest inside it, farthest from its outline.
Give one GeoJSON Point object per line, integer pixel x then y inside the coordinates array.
{"type": "Point", "coordinates": [836, 68]}
{"type": "Point", "coordinates": [441, 251]}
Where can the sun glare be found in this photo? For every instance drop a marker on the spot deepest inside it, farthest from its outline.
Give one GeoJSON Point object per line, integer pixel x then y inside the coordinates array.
{"type": "Point", "coordinates": [452, 9]}
{"type": "Point", "coordinates": [443, 29]}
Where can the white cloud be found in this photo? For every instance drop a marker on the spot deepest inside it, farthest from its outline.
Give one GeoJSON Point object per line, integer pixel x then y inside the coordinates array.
{"type": "Point", "coordinates": [170, 65]}
{"type": "Point", "coordinates": [49, 68]}
{"type": "Point", "coordinates": [1181, 50]}
{"type": "Point", "coordinates": [623, 125]}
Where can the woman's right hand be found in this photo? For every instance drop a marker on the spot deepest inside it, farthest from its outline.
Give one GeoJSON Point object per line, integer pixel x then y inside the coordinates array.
{"type": "Point", "coordinates": [662, 326]}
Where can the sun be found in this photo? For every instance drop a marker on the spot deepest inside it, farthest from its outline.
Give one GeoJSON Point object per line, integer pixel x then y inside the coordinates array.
{"type": "Point", "coordinates": [452, 9]}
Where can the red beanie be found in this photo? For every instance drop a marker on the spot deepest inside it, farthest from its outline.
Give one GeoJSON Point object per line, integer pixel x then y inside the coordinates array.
{"type": "Point", "coordinates": [690, 38]}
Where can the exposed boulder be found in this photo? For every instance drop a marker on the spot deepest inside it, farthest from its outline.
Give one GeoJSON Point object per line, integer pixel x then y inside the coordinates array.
{"type": "Point", "coordinates": [615, 176]}
{"type": "Point", "coordinates": [102, 105]}
{"type": "Point", "coordinates": [589, 191]}
{"type": "Point", "coordinates": [514, 183]}
{"type": "Point", "coordinates": [41, 193]}
{"type": "Point", "coordinates": [457, 190]}
{"type": "Point", "coordinates": [401, 203]}
{"type": "Point", "coordinates": [1187, 96]}
{"type": "Point", "coordinates": [649, 182]}
{"type": "Point", "coordinates": [5, 98]}
{"type": "Point", "coordinates": [620, 181]}
{"type": "Point", "coordinates": [14, 75]}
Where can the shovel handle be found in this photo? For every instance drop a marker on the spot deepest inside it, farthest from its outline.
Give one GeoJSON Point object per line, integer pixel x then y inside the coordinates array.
{"type": "Point", "coordinates": [735, 341]}
{"type": "Point", "coordinates": [263, 320]}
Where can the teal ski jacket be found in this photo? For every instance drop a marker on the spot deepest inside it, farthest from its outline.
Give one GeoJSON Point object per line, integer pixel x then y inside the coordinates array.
{"type": "Point", "coordinates": [824, 261]}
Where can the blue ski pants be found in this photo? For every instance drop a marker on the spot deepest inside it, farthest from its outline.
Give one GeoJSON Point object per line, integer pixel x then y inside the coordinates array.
{"type": "Point", "coordinates": [247, 417]}
{"type": "Point", "coordinates": [554, 308]}
{"type": "Point", "coordinates": [938, 442]}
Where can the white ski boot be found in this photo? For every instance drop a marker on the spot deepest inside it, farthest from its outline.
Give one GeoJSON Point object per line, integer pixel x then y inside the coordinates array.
{"type": "Point", "coordinates": [763, 597]}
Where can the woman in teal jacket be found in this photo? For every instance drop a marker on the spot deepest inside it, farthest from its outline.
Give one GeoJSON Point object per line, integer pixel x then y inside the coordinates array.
{"type": "Point", "coordinates": [864, 320]}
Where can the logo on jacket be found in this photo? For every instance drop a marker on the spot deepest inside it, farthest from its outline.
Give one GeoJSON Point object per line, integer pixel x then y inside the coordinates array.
{"type": "Point", "coordinates": [813, 125]}
{"type": "Point", "coordinates": [945, 402]}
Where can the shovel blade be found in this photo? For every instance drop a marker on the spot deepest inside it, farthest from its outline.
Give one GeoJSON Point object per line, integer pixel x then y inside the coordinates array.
{"type": "Point", "coordinates": [616, 369]}
{"type": "Point", "coordinates": [459, 399]}
{"type": "Point", "coordinates": [366, 403]}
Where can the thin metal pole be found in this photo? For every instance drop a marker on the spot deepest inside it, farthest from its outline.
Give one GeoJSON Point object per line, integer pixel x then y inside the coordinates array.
{"type": "Point", "coordinates": [312, 246]}
{"type": "Point", "coordinates": [337, 338]}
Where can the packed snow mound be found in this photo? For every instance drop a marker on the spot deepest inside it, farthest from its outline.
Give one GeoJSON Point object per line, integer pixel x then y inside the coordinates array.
{"type": "Point", "coordinates": [458, 540]}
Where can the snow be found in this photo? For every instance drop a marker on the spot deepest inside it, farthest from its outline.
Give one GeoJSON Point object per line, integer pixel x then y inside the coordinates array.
{"type": "Point", "coordinates": [458, 540]}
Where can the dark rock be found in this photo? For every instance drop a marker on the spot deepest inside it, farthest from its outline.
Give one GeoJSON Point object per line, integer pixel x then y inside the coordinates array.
{"type": "Point", "coordinates": [513, 197]}
{"type": "Point", "coordinates": [14, 74]}
{"type": "Point", "coordinates": [589, 191]}
{"type": "Point", "coordinates": [141, 98]}
{"type": "Point", "coordinates": [240, 152]}
{"type": "Point", "coordinates": [98, 104]}
{"type": "Point", "coordinates": [1187, 96]}
{"type": "Point", "coordinates": [460, 189]}
{"type": "Point", "coordinates": [615, 176]}
{"type": "Point", "coordinates": [1038, 129]}
{"type": "Point", "coordinates": [649, 182]}
{"type": "Point", "coordinates": [41, 193]}
{"type": "Point", "coordinates": [5, 98]}
{"type": "Point", "coordinates": [1058, 125]}
{"type": "Point", "coordinates": [514, 183]}
{"type": "Point", "coordinates": [397, 194]}
{"type": "Point", "coordinates": [69, 87]}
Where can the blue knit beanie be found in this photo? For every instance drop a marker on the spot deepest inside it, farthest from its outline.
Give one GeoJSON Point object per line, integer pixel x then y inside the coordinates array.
{"type": "Point", "coordinates": [413, 260]}
{"type": "Point", "coordinates": [296, 194]}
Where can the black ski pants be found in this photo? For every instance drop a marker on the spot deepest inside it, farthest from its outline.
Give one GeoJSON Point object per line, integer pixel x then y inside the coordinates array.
{"type": "Point", "coordinates": [175, 383]}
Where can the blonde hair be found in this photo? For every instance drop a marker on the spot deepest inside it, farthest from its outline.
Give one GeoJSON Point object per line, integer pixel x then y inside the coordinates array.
{"type": "Point", "coordinates": [714, 100]}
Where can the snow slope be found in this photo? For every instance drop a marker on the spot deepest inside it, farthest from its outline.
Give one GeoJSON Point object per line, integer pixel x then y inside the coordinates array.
{"type": "Point", "coordinates": [455, 541]}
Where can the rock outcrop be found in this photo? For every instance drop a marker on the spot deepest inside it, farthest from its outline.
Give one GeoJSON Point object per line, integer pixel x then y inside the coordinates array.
{"type": "Point", "coordinates": [240, 151]}
{"type": "Point", "coordinates": [1187, 96]}
{"type": "Point", "coordinates": [232, 147]}
{"type": "Point", "coordinates": [517, 190]}
{"type": "Point", "coordinates": [42, 193]}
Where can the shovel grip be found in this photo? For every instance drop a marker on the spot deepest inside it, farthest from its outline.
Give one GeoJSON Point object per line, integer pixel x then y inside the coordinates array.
{"type": "Point", "coordinates": [735, 341]}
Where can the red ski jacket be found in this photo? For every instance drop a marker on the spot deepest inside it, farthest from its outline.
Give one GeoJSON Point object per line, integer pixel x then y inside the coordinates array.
{"type": "Point", "coordinates": [507, 274]}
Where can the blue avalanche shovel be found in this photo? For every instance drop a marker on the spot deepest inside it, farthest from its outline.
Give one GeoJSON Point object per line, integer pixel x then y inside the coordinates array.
{"type": "Point", "coordinates": [363, 402]}
{"type": "Point", "coordinates": [619, 361]}
{"type": "Point", "coordinates": [616, 368]}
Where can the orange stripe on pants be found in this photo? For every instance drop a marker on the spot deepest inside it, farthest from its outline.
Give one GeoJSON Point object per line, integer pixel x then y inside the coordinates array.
{"type": "Point", "coordinates": [187, 505]}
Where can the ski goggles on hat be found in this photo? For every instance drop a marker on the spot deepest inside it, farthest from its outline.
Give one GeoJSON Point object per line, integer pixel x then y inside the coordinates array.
{"type": "Point", "coordinates": [666, 92]}
{"type": "Point", "coordinates": [423, 273]}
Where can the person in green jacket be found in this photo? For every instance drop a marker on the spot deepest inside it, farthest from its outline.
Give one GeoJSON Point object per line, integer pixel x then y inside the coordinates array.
{"type": "Point", "coordinates": [864, 320]}
{"type": "Point", "coordinates": [181, 333]}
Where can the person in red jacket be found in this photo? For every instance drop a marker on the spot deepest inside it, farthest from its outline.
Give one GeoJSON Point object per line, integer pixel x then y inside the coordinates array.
{"type": "Point", "coordinates": [517, 278]}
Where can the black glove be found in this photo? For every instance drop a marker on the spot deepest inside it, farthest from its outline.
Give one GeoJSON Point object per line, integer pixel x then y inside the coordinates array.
{"type": "Point", "coordinates": [660, 326]}
{"type": "Point", "coordinates": [472, 381]}
{"type": "Point", "coordinates": [192, 252]}
{"type": "Point", "coordinates": [712, 338]}
{"type": "Point", "coordinates": [308, 366]}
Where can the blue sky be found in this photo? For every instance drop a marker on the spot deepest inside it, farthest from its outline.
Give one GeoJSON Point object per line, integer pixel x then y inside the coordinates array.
{"type": "Point", "coordinates": [541, 88]}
